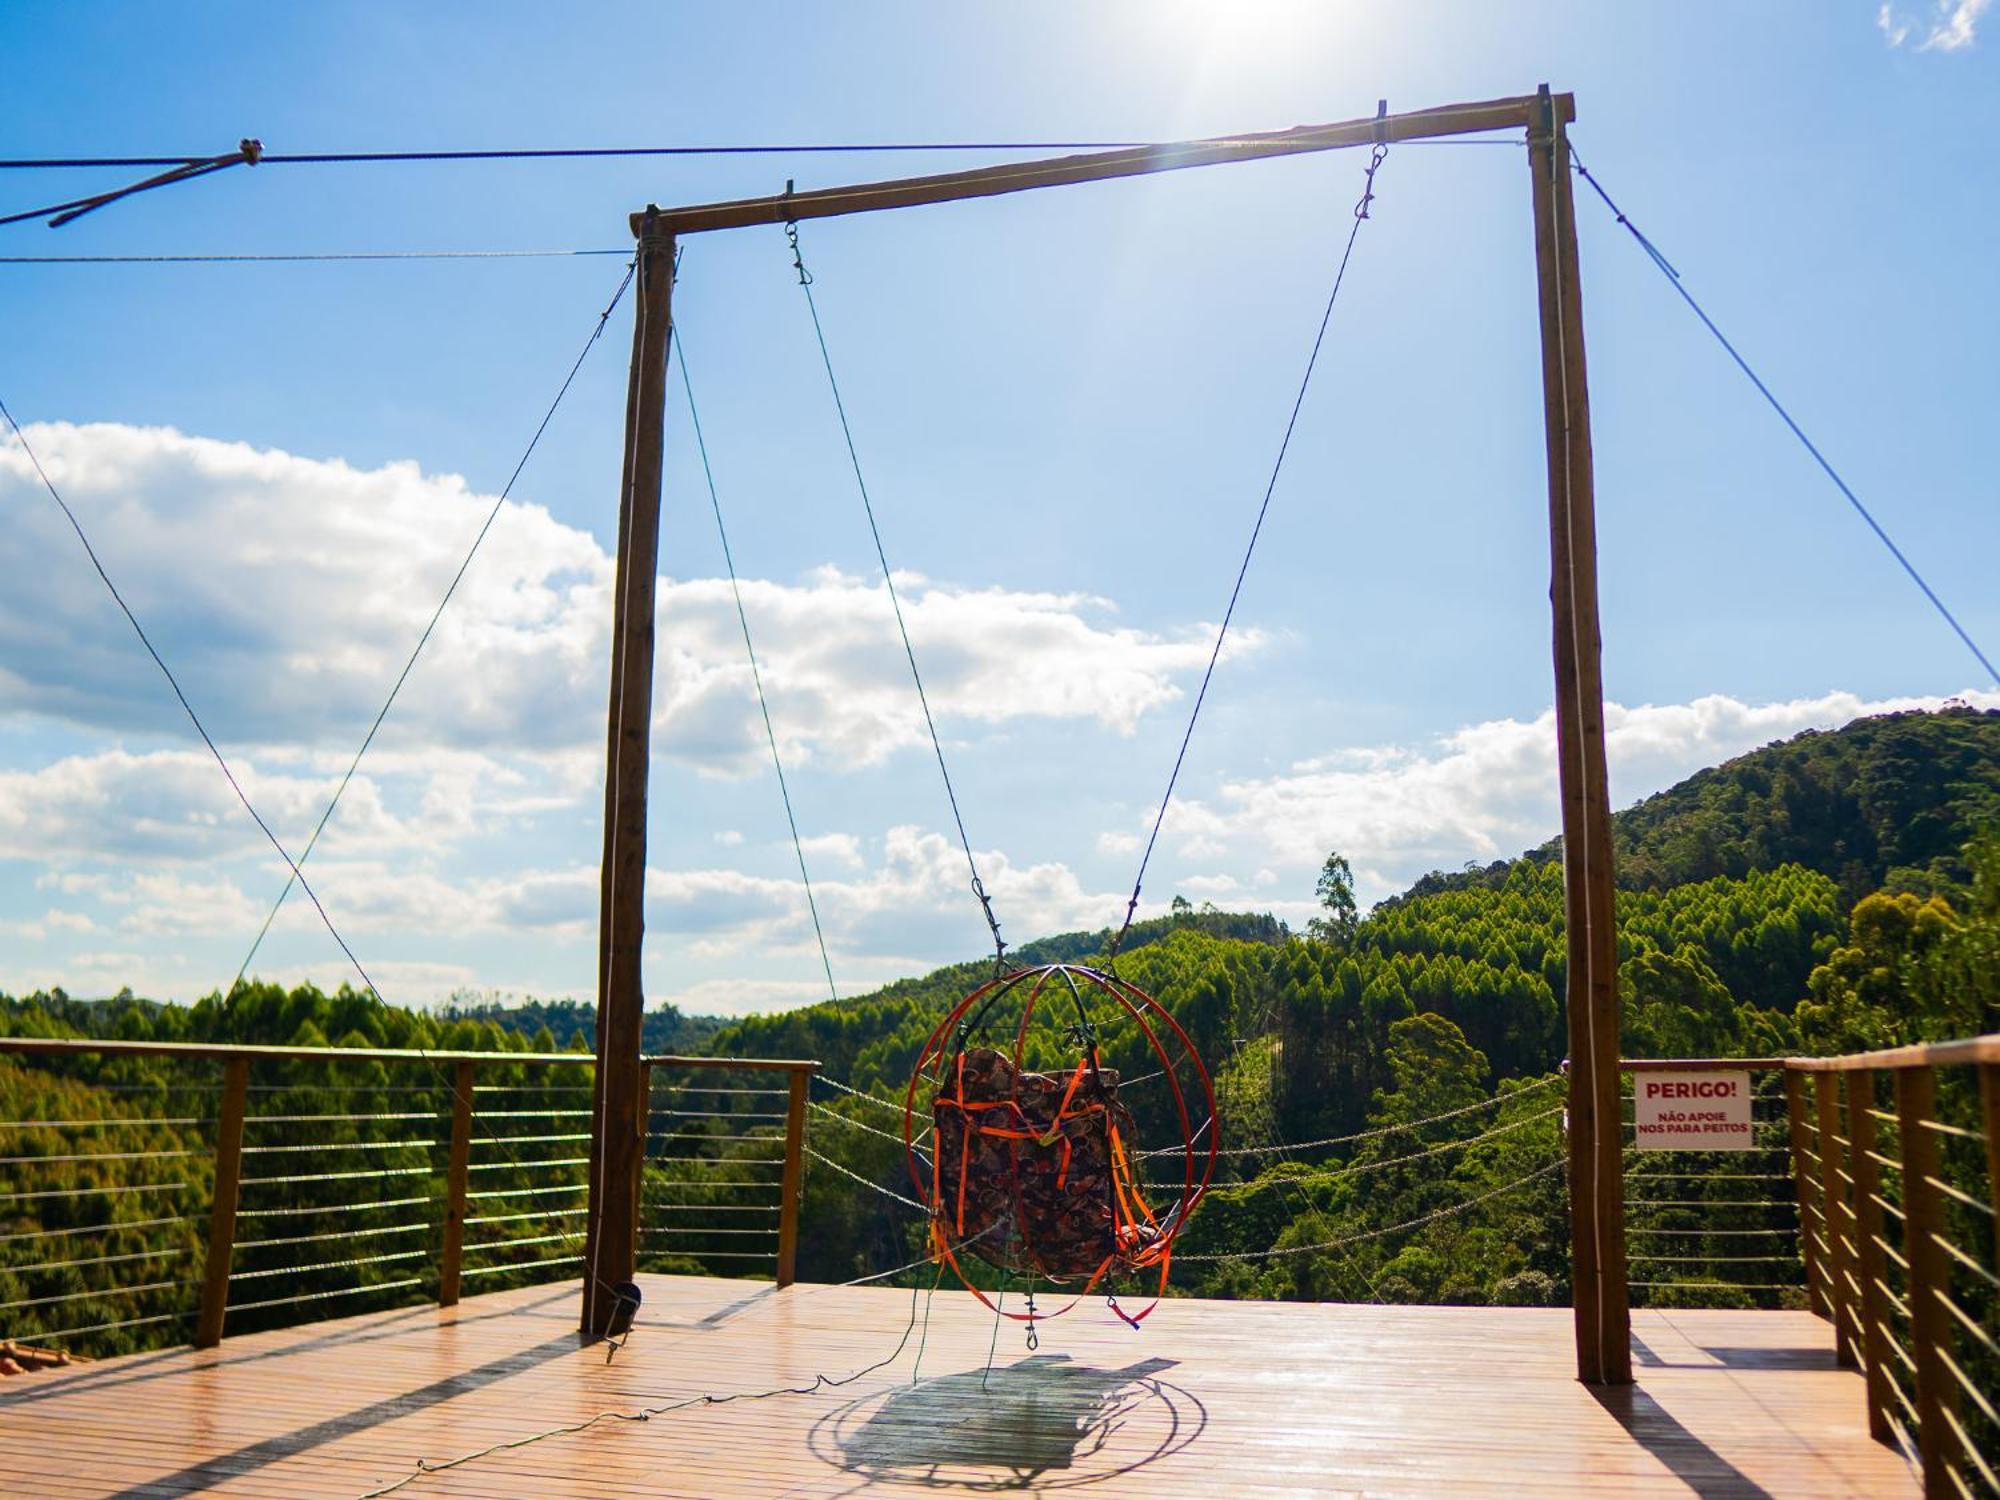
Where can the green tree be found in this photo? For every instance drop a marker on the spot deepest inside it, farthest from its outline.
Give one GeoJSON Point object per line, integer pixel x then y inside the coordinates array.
{"type": "Point", "coordinates": [1336, 897]}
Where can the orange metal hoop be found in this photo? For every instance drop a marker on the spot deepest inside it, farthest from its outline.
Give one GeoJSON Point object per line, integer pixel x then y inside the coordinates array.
{"type": "Point", "coordinates": [1134, 1220]}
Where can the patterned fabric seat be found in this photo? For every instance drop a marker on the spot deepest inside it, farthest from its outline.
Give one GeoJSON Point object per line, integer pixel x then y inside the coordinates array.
{"type": "Point", "coordinates": [1033, 1172]}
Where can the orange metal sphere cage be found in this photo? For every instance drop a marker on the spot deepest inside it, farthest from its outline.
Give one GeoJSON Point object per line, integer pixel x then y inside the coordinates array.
{"type": "Point", "coordinates": [1137, 1249]}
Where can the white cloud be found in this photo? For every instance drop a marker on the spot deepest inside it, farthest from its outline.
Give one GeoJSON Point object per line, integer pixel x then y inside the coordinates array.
{"type": "Point", "coordinates": [173, 806]}
{"type": "Point", "coordinates": [839, 686]}
{"type": "Point", "coordinates": [834, 848]}
{"type": "Point", "coordinates": [288, 591]}
{"type": "Point", "coordinates": [913, 898]}
{"type": "Point", "coordinates": [1946, 26]}
{"type": "Point", "coordinates": [1484, 792]}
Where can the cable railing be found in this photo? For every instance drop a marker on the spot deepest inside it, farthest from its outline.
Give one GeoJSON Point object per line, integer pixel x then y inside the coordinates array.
{"type": "Point", "coordinates": [1712, 1229]}
{"type": "Point", "coordinates": [102, 1186]}
{"type": "Point", "coordinates": [157, 1192]}
{"type": "Point", "coordinates": [725, 1171]}
{"type": "Point", "coordinates": [1898, 1171]}
{"type": "Point", "coordinates": [1871, 1195]}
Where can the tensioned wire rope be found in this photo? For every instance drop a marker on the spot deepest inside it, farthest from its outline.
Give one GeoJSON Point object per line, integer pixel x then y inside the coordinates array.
{"type": "Point", "coordinates": [250, 152]}
{"type": "Point", "coordinates": [1376, 159]}
{"type": "Point", "coordinates": [297, 874]}
{"type": "Point", "coordinates": [895, 600]}
{"type": "Point", "coordinates": [678, 345]}
{"type": "Point", "coordinates": [858, 148]}
{"type": "Point", "coordinates": [430, 626]}
{"type": "Point", "coordinates": [1666, 269]}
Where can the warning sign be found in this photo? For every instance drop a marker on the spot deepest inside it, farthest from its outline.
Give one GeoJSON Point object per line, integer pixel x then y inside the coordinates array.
{"type": "Point", "coordinates": [1692, 1111]}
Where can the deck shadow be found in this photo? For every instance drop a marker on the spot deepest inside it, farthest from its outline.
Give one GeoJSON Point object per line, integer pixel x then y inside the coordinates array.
{"type": "Point", "coordinates": [1746, 1357]}
{"type": "Point", "coordinates": [180, 1360]}
{"type": "Point", "coordinates": [205, 1475]}
{"type": "Point", "coordinates": [1704, 1471]}
{"type": "Point", "coordinates": [1775, 1358]}
{"type": "Point", "coordinates": [1036, 1424]}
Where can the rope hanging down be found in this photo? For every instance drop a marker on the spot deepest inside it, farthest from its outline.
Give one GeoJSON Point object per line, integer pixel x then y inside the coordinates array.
{"type": "Point", "coordinates": [1375, 161]}
{"type": "Point", "coordinates": [403, 676]}
{"type": "Point", "coordinates": [1673, 277]}
{"type": "Point", "coordinates": [895, 602]}
{"type": "Point", "coordinates": [678, 346]}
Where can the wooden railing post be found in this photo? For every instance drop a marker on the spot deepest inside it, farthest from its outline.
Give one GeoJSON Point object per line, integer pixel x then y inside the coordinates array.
{"type": "Point", "coordinates": [1930, 1272]}
{"type": "Point", "coordinates": [1989, 1110]}
{"type": "Point", "coordinates": [1871, 1260]}
{"type": "Point", "coordinates": [452, 1261]}
{"type": "Point", "coordinates": [794, 1184]}
{"type": "Point", "coordinates": [639, 1156]}
{"type": "Point", "coordinates": [1803, 1157]}
{"type": "Point", "coordinates": [222, 1213]}
{"type": "Point", "coordinates": [1835, 1213]}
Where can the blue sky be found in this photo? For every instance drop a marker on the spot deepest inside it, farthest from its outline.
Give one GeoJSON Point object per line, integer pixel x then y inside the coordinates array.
{"type": "Point", "coordinates": [1067, 403]}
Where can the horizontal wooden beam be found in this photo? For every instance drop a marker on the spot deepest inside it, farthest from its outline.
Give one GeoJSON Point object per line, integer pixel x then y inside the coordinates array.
{"type": "Point", "coordinates": [1015, 177]}
{"type": "Point", "coordinates": [63, 1046]}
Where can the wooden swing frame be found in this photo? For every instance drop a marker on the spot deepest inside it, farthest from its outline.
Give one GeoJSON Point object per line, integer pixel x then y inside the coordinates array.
{"type": "Point", "coordinates": [1597, 1210]}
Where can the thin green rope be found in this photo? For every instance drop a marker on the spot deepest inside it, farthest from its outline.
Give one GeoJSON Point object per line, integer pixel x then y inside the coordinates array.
{"type": "Point", "coordinates": [679, 345]}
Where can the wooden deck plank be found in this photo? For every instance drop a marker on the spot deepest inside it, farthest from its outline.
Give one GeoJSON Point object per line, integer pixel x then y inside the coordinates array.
{"type": "Point", "coordinates": [1230, 1398]}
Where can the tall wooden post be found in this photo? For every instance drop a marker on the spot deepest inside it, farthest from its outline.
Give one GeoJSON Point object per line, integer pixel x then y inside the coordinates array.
{"type": "Point", "coordinates": [1596, 1181]}
{"type": "Point", "coordinates": [618, 1125]}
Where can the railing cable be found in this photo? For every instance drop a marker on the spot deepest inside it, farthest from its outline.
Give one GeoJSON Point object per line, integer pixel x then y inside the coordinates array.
{"type": "Point", "coordinates": [1448, 1211]}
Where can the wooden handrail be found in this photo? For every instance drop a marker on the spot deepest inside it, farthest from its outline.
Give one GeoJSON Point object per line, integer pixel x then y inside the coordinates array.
{"type": "Point", "coordinates": [64, 1046]}
{"type": "Point", "coordinates": [1975, 1049]}
{"type": "Point", "coordinates": [1967, 1050]}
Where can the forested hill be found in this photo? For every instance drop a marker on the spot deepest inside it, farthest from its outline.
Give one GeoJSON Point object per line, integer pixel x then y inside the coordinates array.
{"type": "Point", "coordinates": [1739, 883]}
{"type": "Point", "coordinates": [1375, 1075]}
{"type": "Point", "coordinates": [667, 1028]}
{"type": "Point", "coordinates": [1889, 801]}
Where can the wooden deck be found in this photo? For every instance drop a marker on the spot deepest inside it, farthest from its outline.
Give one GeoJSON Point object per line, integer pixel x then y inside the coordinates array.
{"type": "Point", "coordinates": [1212, 1398]}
